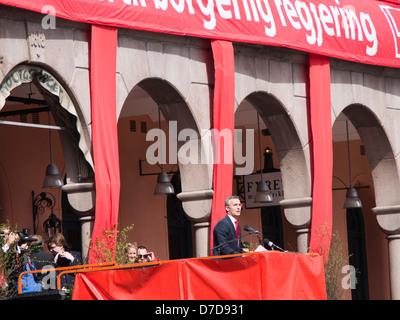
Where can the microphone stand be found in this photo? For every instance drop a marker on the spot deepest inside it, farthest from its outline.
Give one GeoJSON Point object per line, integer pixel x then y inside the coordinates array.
{"type": "Point", "coordinates": [273, 245]}
{"type": "Point", "coordinates": [226, 242]}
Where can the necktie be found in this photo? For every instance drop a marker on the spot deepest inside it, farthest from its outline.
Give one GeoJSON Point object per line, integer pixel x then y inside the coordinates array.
{"type": "Point", "coordinates": [237, 230]}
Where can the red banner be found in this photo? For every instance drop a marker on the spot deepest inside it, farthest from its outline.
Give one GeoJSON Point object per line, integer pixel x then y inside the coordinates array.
{"type": "Point", "coordinates": [366, 31]}
{"type": "Point", "coordinates": [268, 275]}
{"type": "Point", "coordinates": [223, 119]}
{"type": "Point", "coordinates": [104, 128]}
{"type": "Point", "coordinates": [322, 154]}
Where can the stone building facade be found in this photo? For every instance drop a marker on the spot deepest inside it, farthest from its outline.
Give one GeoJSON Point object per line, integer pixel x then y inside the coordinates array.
{"type": "Point", "coordinates": [177, 73]}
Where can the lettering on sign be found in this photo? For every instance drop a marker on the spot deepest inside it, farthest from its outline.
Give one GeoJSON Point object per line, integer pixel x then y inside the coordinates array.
{"type": "Point", "coordinates": [37, 40]}
{"type": "Point", "coordinates": [37, 44]}
{"type": "Point", "coordinates": [274, 182]}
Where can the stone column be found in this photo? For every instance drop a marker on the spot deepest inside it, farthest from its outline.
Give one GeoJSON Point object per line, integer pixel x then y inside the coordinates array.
{"type": "Point", "coordinates": [298, 214]}
{"type": "Point", "coordinates": [202, 236]}
{"type": "Point", "coordinates": [87, 223]}
{"type": "Point", "coordinates": [81, 197]}
{"type": "Point", "coordinates": [389, 221]}
{"type": "Point", "coordinates": [197, 206]}
{"type": "Point", "coordinates": [394, 263]}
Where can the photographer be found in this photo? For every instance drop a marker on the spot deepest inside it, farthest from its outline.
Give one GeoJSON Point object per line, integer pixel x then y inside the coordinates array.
{"type": "Point", "coordinates": [14, 259]}
{"type": "Point", "coordinates": [9, 262]}
{"type": "Point", "coordinates": [63, 257]}
{"type": "Point", "coordinates": [9, 240]}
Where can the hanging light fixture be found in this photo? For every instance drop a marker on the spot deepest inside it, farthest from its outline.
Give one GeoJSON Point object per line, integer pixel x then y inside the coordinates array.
{"type": "Point", "coordinates": [263, 193]}
{"type": "Point", "coordinates": [163, 185]}
{"type": "Point", "coordinates": [352, 200]}
{"type": "Point", "coordinates": [52, 225]}
{"type": "Point", "coordinates": [43, 201]}
{"type": "Point", "coordinates": [53, 178]}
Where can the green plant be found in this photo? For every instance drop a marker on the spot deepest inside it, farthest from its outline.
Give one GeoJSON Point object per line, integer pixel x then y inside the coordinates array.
{"type": "Point", "coordinates": [11, 263]}
{"type": "Point", "coordinates": [111, 246]}
{"type": "Point", "coordinates": [335, 257]}
{"type": "Point", "coordinates": [338, 258]}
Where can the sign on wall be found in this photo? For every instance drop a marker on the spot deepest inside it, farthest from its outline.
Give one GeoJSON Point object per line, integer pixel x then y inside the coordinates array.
{"type": "Point", "coordinates": [355, 30]}
{"type": "Point", "coordinates": [273, 180]}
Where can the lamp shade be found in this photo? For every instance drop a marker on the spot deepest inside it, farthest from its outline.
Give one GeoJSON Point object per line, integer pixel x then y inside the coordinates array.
{"type": "Point", "coordinates": [263, 192]}
{"type": "Point", "coordinates": [53, 178]}
{"type": "Point", "coordinates": [352, 199]}
{"type": "Point", "coordinates": [163, 185]}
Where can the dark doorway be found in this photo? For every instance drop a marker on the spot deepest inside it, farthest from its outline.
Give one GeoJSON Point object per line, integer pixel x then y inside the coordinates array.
{"type": "Point", "coordinates": [357, 252]}
{"type": "Point", "coordinates": [271, 219]}
{"type": "Point", "coordinates": [179, 226]}
{"type": "Point", "coordinates": [71, 226]}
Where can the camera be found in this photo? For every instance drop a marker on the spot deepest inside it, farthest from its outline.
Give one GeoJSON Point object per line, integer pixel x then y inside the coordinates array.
{"type": "Point", "coordinates": [24, 237]}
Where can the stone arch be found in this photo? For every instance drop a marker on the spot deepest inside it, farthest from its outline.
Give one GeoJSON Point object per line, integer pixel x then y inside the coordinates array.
{"type": "Point", "coordinates": [75, 138]}
{"type": "Point", "coordinates": [174, 108]}
{"type": "Point", "coordinates": [384, 170]}
{"type": "Point", "coordinates": [196, 177]}
{"type": "Point", "coordinates": [296, 175]}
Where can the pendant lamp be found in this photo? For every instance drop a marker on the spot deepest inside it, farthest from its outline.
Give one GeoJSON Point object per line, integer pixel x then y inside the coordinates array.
{"type": "Point", "coordinates": [263, 193]}
{"type": "Point", "coordinates": [53, 178]}
{"type": "Point", "coordinates": [163, 185]}
{"type": "Point", "coordinates": [352, 200]}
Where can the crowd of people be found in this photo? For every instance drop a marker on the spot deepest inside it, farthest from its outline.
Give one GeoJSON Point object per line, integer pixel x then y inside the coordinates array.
{"type": "Point", "coordinates": [138, 254]}
{"type": "Point", "coordinates": [21, 252]}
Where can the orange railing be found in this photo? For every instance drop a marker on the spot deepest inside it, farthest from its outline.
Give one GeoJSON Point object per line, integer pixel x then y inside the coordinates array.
{"type": "Point", "coordinates": [79, 267]}
{"type": "Point", "coordinates": [114, 266]}
{"type": "Point", "coordinates": [142, 265]}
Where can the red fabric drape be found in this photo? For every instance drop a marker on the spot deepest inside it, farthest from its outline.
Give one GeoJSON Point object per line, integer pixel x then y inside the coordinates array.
{"type": "Point", "coordinates": [322, 161]}
{"type": "Point", "coordinates": [267, 275]}
{"type": "Point", "coordinates": [223, 119]}
{"type": "Point", "coordinates": [104, 128]}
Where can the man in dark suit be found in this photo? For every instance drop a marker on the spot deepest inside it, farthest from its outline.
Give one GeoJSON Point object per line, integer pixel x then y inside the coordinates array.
{"type": "Point", "coordinates": [227, 235]}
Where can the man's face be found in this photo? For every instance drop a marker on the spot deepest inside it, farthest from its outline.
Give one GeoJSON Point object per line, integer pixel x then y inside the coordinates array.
{"type": "Point", "coordinates": [235, 208]}
{"type": "Point", "coordinates": [55, 249]}
{"type": "Point", "coordinates": [142, 255]}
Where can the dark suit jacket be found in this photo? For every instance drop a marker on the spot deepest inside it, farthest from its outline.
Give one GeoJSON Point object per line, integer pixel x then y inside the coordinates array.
{"type": "Point", "coordinates": [68, 279]}
{"type": "Point", "coordinates": [223, 232]}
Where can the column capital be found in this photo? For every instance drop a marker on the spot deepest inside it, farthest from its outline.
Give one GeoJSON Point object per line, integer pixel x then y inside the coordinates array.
{"type": "Point", "coordinates": [388, 218]}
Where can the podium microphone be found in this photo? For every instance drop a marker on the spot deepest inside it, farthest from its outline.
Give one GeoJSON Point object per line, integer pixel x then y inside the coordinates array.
{"type": "Point", "coordinates": [272, 245]}
{"type": "Point", "coordinates": [250, 229]}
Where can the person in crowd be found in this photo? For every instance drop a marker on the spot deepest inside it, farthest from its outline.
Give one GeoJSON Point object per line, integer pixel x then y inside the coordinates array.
{"type": "Point", "coordinates": [131, 252]}
{"type": "Point", "coordinates": [10, 240]}
{"type": "Point", "coordinates": [40, 258]}
{"type": "Point", "coordinates": [144, 256]}
{"type": "Point", "coordinates": [226, 233]}
{"type": "Point", "coordinates": [10, 264]}
{"type": "Point", "coordinates": [16, 248]}
{"type": "Point", "coordinates": [64, 257]}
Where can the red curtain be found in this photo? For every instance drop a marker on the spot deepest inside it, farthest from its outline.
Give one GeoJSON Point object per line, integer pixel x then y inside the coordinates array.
{"type": "Point", "coordinates": [104, 128]}
{"type": "Point", "coordinates": [261, 276]}
{"type": "Point", "coordinates": [223, 118]}
{"type": "Point", "coordinates": [321, 151]}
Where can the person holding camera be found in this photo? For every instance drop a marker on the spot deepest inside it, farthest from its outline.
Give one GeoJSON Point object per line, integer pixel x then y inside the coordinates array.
{"type": "Point", "coordinates": [15, 257]}
{"type": "Point", "coordinates": [10, 240]}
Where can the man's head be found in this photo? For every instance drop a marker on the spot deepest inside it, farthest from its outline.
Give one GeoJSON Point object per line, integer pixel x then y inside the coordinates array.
{"type": "Point", "coordinates": [56, 243]}
{"type": "Point", "coordinates": [142, 254]}
{"type": "Point", "coordinates": [233, 206]}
